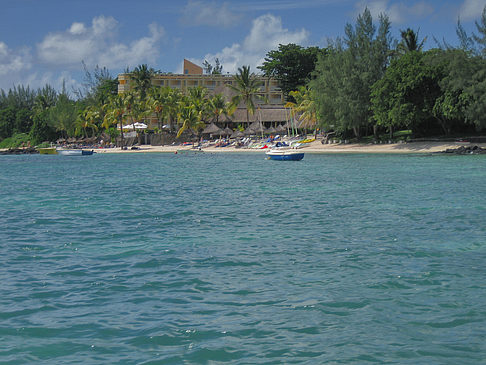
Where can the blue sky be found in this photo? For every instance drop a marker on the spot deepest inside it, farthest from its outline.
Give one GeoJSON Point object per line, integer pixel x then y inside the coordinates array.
{"type": "Point", "coordinates": [46, 41]}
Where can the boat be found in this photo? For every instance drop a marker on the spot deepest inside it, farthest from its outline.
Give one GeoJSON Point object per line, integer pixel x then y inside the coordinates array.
{"type": "Point", "coordinates": [75, 152]}
{"type": "Point", "coordinates": [48, 151]}
{"type": "Point", "coordinates": [285, 154]}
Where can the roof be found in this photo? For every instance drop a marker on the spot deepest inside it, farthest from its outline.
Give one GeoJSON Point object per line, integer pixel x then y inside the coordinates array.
{"type": "Point", "coordinates": [264, 115]}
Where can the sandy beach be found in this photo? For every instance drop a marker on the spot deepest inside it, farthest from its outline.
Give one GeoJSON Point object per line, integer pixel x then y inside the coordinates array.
{"type": "Point", "coordinates": [317, 147]}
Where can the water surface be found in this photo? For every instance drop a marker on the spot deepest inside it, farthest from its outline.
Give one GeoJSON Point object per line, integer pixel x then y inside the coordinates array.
{"type": "Point", "coordinates": [214, 258]}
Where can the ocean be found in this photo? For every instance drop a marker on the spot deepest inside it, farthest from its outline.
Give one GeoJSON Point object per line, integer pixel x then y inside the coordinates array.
{"type": "Point", "coordinates": [231, 258]}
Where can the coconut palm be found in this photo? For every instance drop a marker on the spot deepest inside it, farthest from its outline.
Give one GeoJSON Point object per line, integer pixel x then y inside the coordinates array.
{"type": "Point", "coordinates": [157, 103]}
{"type": "Point", "coordinates": [189, 118]}
{"type": "Point", "coordinates": [142, 79]}
{"type": "Point", "coordinates": [172, 105]}
{"type": "Point", "coordinates": [198, 97]}
{"type": "Point", "coordinates": [87, 119]}
{"type": "Point", "coordinates": [410, 41]}
{"type": "Point", "coordinates": [217, 106]}
{"type": "Point", "coordinates": [247, 89]}
{"type": "Point", "coordinates": [115, 110]}
{"type": "Point", "coordinates": [306, 107]}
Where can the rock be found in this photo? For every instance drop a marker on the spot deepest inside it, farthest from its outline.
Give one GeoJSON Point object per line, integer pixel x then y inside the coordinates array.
{"type": "Point", "coordinates": [474, 150]}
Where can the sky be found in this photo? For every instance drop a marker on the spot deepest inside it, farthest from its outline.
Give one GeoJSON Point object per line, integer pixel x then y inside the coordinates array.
{"type": "Point", "coordinates": [47, 41]}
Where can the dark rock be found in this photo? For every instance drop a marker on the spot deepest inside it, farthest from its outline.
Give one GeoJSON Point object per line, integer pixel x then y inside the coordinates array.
{"type": "Point", "coordinates": [474, 150]}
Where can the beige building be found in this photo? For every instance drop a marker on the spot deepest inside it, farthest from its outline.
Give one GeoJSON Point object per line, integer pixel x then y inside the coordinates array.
{"type": "Point", "coordinates": [271, 101]}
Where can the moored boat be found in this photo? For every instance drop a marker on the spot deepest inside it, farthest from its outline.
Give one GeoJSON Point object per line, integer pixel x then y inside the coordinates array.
{"type": "Point", "coordinates": [75, 152]}
{"type": "Point", "coordinates": [47, 151]}
{"type": "Point", "coordinates": [285, 155]}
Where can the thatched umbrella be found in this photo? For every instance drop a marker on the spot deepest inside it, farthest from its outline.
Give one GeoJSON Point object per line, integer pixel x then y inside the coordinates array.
{"type": "Point", "coordinates": [228, 131]}
{"type": "Point", "coordinates": [271, 130]}
{"type": "Point", "coordinates": [249, 131]}
{"type": "Point", "coordinates": [237, 134]}
{"type": "Point", "coordinates": [212, 129]}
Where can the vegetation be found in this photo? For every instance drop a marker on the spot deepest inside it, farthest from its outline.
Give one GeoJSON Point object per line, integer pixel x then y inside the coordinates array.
{"type": "Point", "coordinates": [292, 65]}
{"type": "Point", "coordinates": [365, 85]}
{"type": "Point", "coordinates": [246, 88]}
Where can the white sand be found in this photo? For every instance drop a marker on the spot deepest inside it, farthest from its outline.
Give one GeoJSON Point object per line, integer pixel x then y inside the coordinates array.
{"type": "Point", "coordinates": [316, 147]}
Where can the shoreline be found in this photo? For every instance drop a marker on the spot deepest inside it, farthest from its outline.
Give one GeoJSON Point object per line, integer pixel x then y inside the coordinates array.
{"type": "Point", "coordinates": [315, 147]}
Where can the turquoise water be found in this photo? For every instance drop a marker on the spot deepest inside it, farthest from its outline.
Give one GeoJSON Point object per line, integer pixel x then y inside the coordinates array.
{"type": "Point", "coordinates": [209, 259]}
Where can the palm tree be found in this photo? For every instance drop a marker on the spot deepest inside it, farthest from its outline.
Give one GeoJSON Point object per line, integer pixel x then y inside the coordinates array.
{"type": "Point", "coordinates": [157, 102]}
{"type": "Point", "coordinates": [190, 118]}
{"type": "Point", "coordinates": [410, 41]}
{"type": "Point", "coordinates": [247, 89]}
{"type": "Point", "coordinates": [217, 106]}
{"type": "Point", "coordinates": [198, 97]}
{"type": "Point", "coordinates": [115, 110]}
{"type": "Point", "coordinates": [305, 107]}
{"type": "Point", "coordinates": [87, 119]}
{"type": "Point", "coordinates": [142, 78]}
{"type": "Point", "coordinates": [173, 105]}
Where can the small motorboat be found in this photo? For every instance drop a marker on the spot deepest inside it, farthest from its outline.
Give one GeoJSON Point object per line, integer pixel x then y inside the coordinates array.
{"type": "Point", "coordinates": [75, 152]}
{"type": "Point", "coordinates": [48, 151]}
{"type": "Point", "coordinates": [285, 154]}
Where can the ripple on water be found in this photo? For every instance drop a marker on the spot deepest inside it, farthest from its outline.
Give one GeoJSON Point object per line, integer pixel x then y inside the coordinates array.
{"type": "Point", "coordinates": [230, 258]}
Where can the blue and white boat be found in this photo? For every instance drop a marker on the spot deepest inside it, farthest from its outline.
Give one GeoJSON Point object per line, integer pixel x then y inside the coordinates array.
{"type": "Point", "coordinates": [74, 152]}
{"type": "Point", "coordinates": [285, 154]}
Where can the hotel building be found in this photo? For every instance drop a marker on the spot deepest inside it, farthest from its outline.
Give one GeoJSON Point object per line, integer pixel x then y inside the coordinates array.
{"type": "Point", "coordinates": [269, 106]}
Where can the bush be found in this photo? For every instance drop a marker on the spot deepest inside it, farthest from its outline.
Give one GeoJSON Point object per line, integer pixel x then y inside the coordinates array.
{"type": "Point", "coordinates": [15, 141]}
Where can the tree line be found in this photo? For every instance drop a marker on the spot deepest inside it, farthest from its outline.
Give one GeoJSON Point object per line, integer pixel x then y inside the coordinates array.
{"type": "Point", "coordinates": [367, 83]}
{"type": "Point", "coordinates": [47, 115]}
{"type": "Point", "coordinates": [363, 84]}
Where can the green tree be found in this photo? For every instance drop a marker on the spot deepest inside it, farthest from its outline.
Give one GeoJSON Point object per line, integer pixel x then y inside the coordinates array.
{"type": "Point", "coordinates": [41, 130]}
{"type": "Point", "coordinates": [7, 121]}
{"type": "Point", "coordinates": [305, 107]}
{"type": "Point", "coordinates": [410, 41]}
{"type": "Point", "coordinates": [344, 76]}
{"type": "Point", "coordinates": [291, 64]}
{"type": "Point", "coordinates": [142, 79]}
{"type": "Point", "coordinates": [217, 106]}
{"type": "Point", "coordinates": [189, 118]}
{"type": "Point", "coordinates": [209, 69]}
{"type": "Point", "coordinates": [157, 103]}
{"type": "Point", "coordinates": [247, 88]}
{"type": "Point", "coordinates": [45, 98]}
{"type": "Point", "coordinates": [114, 113]}
{"type": "Point", "coordinates": [63, 115]}
{"type": "Point", "coordinates": [406, 95]}
{"type": "Point", "coordinates": [198, 97]}
{"type": "Point", "coordinates": [88, 118]}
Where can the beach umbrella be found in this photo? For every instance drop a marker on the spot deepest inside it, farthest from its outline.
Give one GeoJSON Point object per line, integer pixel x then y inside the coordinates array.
{"type": "Point", "coordinates": [139, 125]}
{"type": "Point", "coordinates": [249, 131]}
{"type": "Point", "coordinates": [212, 129]}
{"type": "Point", "coordinates": [136, 125]}
{"type": "Point", "coordinates": [228, 131]}
{"type": "Point", "coordinates": [271, 130]}
{"type": "Point", "coordinates": [237, 134]}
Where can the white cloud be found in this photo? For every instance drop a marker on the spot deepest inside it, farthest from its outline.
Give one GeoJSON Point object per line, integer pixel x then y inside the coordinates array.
{"type": "Point", "coordinates": [212, 14]}
{"type": "Point", "coordinates": [472, 9]}
{"type": "Point", "coordinates": [97, 45]}
{"type": "Point", "coordinates": [399, 12]}
{"type": "Point", "coordinates": [12, 61]}
{"type": "Point", "coordinates": [266, 34]}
